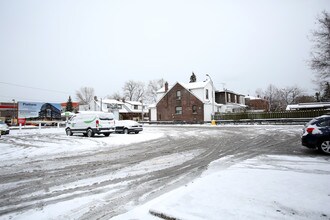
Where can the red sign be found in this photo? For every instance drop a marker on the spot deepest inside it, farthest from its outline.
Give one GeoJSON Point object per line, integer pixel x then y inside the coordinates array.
{"type": "Point", "coordinates": [22, 121]}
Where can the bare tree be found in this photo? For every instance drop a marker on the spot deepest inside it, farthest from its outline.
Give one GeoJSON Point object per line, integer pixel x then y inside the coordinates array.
{"type": "Point", "coordinates": [272, 95]}
{"type": "Point", "coordinates": [116, 96]}
{"type": "Point", "coordinates": [289, 95]}
{"type": "Point", "coordinates": [320, 56]}
{"type": "Point", "coordinates": [153, 87]}
{"type": "Point", "coordinates": [85, 95]}
{"type": "Point", "coordinates": [139, 91]}
{"type": "Point", "coordinates": [279, 98]}
{"type": "Point", "coordinates": [133, 91]}
{"type": "Point", "coordinates": [129, 89]}
{"type": "Point", "coordinates": [259, 93]}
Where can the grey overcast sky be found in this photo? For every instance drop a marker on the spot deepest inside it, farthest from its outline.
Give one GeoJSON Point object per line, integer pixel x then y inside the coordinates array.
{"type": "Point", "coordinates": [59, 46]}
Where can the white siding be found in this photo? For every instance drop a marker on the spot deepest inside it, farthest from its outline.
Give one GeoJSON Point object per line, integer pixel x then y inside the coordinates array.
{"type": "Point", "coordinates": [153, 114]}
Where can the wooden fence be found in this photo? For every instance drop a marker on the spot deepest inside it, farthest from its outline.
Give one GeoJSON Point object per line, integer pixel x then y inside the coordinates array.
{"type": "Point", "coordinates": [270, 115]}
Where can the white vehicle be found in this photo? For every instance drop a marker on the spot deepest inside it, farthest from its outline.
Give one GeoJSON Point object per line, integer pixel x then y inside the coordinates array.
{"type": "Point", "coordinates": [128, 126]}
{"type": "Point", "coordinates": [90, 123]}
{"type": "Point", "coordinates": [4, 129]}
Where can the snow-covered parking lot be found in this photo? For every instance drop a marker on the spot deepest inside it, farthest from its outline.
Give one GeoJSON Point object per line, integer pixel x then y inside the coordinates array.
{"type": "Point", "coordinates": [184, 172]}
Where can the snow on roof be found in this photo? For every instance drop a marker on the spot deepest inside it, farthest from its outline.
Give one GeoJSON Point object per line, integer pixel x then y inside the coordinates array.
{"type": "Point", "coordinates": [133, 102]}
{"type": "Point", "coordinates": [111, 101]}
{"type": "Point", "coordinates": [309, 105]}
{"type": "Point", "coordinates": [252, 97]}
{"type": "Point", "coordinates": [195, 85]}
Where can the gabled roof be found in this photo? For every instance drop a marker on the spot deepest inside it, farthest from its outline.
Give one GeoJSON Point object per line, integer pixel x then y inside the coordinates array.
{"type": "Point", "coordinates": [172, 88]}
{"type": "Point", "coordinates": [194, 85]}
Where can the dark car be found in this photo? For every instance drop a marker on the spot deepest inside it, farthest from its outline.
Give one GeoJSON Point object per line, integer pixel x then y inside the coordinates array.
{"type": "Point", "coordinates": [316, 134]}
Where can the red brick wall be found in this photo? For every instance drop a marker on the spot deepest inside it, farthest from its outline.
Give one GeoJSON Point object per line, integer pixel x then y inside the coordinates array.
{"type": "Point", "coordinates": [166, 106]}
{"type": "Point", "coordinates": [258, 104]}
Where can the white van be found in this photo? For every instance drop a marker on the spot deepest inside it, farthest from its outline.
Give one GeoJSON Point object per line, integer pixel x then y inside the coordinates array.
{"type": "Point", "coordinates": [90, 123]}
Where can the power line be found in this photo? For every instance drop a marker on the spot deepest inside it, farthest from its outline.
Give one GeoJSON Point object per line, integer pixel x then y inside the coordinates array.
{"type": "Point", "coordinates": [30, 87]}
{"type": "Point", "coordinates": [17, 98]}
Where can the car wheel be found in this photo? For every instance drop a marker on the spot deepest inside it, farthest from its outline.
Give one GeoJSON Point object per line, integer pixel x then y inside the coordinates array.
{"type": "Point", "coordinates": [324, 147]}
{"type": "Point", "coordinates": [136, 132]}
{"type": "Point", "coordinates": [125, 131]}
{"type": "Point", "coordinates": [90, 132]}
{"type": "Point", "coordinates": [107, 134]}
{"type": "Point", "coordinates": [68, 132]}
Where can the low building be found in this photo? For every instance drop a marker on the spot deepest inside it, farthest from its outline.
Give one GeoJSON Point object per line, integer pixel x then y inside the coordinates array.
{"type": "Point", "coordinates": [256, 104]}
{"type": "Point", "coordinates": [309, 106]}
{"type": "Point", "coordinates": [229, 101]}
{"type": "Point", "coordinates": [8, 112]}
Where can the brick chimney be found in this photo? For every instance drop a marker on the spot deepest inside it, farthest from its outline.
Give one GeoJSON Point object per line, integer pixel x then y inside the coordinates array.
{"type": "Point", "coordinates": [166, 86]}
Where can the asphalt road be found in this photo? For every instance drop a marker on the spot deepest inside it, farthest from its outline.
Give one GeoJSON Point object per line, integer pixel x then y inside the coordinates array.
{"type": "Point", "coordinates": [135, 173]}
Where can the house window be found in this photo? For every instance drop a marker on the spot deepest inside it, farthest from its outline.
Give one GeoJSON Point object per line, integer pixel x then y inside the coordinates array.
{"type": "Point", "coordinates": [136, 107]}
{"type": "Point", "coordinates": [178, 95]}
{"type": "Point", "coordinates": [178, 110]}
{"type": "Point", "coordinates": [207, 94]}
{"type": "Point", "coordinates": [194, 109]}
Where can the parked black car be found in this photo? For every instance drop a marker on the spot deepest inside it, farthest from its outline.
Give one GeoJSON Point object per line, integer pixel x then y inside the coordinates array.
{"type": "Point", "coordinates": [316, 134]}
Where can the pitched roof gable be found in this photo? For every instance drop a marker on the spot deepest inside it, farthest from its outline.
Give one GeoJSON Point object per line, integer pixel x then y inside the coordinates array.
{"type": "Point", "coordinates": [183, 85]}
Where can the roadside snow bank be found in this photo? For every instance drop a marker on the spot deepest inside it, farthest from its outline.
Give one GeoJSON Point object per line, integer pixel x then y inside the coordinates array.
{"type": "Point", "coordinates": [265, 187]}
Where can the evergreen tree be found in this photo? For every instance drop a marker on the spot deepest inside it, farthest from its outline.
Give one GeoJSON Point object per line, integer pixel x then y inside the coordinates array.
{"type": "Point", "coordinates": [192, 78]}
{"type": "Point", "coordinates": [69, 107]}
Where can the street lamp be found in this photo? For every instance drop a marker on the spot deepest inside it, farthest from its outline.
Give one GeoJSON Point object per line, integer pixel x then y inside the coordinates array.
{"type": "Point", "coordinates": [212, 96]}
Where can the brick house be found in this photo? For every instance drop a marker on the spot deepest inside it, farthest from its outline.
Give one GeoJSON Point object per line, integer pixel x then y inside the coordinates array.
{"type": "Point", "coordinates": [256, 104]}
{"type": "Point", "coordinates": [191, 102]}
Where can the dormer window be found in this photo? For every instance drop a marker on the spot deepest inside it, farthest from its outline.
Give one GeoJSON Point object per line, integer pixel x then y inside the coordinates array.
{"type": "Point", "coordinates": [207, 94]}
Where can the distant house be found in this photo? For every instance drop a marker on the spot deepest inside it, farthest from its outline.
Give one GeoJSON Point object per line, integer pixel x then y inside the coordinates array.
{"type": "Point", "coordinates": [229, 101]}
{"type": "Point", "coordinates": [75, 106]}
{"type": "Point", "coordinates": [123, 110]}
{"type": "Point", "coordinates": [256, 104]}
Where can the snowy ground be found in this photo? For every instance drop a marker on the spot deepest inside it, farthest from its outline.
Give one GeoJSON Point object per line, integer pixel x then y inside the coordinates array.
{"type": "Point", "coordinates": [229, 172]}
{"type": "Point", "coordinates": [265, 187]}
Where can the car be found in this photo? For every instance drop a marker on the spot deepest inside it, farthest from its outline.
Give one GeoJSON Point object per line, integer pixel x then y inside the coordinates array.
{"type": "Point", "coordinates": [128, 126]}
{"type": "Point", "coordinates": [316, 134]}
{"type": "Point", "coordinates": [90, 123]}
{"type": "Point", "coordinates": [4, 129]}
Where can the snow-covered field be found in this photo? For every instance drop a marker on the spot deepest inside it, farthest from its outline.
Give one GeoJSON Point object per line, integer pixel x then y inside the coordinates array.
{"type": "Point", "coordinates": [45, 174]}
{"type": "Point", "coordinates": [265, 187]}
